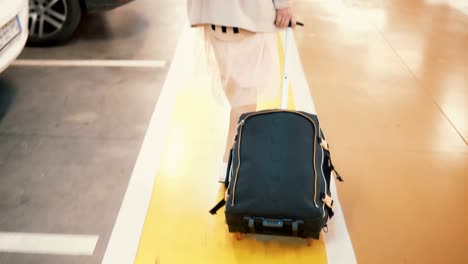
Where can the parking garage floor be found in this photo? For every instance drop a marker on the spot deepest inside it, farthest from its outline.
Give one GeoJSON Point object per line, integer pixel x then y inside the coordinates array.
{"type": "Point", "coordinates": [112, 159]}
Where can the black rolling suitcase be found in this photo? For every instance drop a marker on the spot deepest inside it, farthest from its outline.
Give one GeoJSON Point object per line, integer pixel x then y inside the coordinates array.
{"type": "Point", "coordinates": [279, 172]}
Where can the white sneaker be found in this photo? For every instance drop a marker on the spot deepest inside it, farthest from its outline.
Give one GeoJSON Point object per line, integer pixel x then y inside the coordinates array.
{"type": "Point", "coordinates": [222, 172]}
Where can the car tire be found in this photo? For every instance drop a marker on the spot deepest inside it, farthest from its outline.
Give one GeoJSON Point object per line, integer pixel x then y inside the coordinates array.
{"type": "Point", "coordinates": [59, 21]}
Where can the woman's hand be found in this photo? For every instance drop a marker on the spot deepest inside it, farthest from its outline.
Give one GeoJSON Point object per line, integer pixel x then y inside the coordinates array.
{"type": "Point", "coordinates": [284, 16]}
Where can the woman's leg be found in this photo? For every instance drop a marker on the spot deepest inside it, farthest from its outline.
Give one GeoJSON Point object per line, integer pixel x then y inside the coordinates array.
{"type": "Point", "coordinates": [238, 59]}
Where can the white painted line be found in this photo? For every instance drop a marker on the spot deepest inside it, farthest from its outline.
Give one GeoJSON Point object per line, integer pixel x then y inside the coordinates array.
{"type": "Point", "coordinates": [56, 244]}
{"type": "Point", "coordinates": [125, 237]}
{"type": "Point", "coordinates": [91, 63]}
{"type": "Point", "coordinates": [337, 241]}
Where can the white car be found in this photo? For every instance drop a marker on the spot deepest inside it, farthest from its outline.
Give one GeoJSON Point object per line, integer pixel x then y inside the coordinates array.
{"type": "Point", "coordinates": [14, 16]}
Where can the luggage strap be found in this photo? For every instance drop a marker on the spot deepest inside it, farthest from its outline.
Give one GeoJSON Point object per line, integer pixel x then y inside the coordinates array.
{"type": "Point", "coordinates": [330, 212]}
{"type": "Point", "coordinates": [217, 207]}
{"type": "Point", "coordinates": [221, 203]}
{"type": "Point", "coordinates": [328, 201]}
{"type": "Point", "coordinates": [228, 169]}
{"type": "Point", "coordinates": [326, 147]}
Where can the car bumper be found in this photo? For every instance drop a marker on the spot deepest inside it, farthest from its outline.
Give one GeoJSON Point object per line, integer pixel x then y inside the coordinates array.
{"type": "Point", "coordinates": [104, 5]}
{"type": "Point", "coordinates": [14, 48]}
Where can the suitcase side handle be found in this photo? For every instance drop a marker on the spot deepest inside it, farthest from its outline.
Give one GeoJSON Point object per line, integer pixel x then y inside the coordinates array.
{"type": "Point", "coordinates": [265, 223]}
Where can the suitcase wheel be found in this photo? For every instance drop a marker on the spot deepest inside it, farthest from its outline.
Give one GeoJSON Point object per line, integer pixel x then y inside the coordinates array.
{"type": "Point", "coordinates": [309, 241]}
{"type": "Point", "coordinates": [239, 236]}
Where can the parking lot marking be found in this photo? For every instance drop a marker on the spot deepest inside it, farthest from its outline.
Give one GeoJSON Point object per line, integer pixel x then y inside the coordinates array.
{"type": "Point", "coordinates": [91, 63]}
{"type": "Point", "coordinates": [57, 244]}
{"type": "Point", "coordinates": [125, 237]}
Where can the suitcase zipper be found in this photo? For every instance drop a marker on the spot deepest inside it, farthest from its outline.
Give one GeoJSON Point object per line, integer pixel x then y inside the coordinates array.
{"type": "Point", "coordinates": [240, 126]}
{"type": "Point", "coordinates": [325, 181]}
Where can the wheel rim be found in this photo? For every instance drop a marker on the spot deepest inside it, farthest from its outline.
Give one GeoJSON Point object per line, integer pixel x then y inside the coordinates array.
{"type": "Point", "coordinates": [46, 17]}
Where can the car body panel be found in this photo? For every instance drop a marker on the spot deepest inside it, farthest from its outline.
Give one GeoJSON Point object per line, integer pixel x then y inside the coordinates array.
{"type": "Point", "coordinates": [103, 5]}
{"type": "Point", "coordinates": [8, 11]}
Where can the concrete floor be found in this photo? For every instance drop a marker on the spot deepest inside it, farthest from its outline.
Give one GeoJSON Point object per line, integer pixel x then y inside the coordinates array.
{"type": "Point", "coordinates": [65, 159]}
{"type": "Point", "coordinates": [389, 79]}
{"type": "Point", "coordinates": [143, 30]}
{"type": "Point", "coordinates": [390, 82]}
{"type": "Point", "coordinates": [69, 136]}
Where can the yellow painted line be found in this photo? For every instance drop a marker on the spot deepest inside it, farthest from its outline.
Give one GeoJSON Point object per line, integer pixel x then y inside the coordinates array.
{"type": "Point", "coordinates": [178, 227]}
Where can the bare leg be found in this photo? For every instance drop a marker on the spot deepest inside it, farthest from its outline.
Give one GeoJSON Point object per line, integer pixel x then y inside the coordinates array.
{"type": "Point", "coordinates": [233, 119]}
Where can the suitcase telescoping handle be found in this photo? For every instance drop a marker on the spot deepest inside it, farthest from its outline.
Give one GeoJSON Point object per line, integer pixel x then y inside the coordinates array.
{"type": "Point", "coordinates": [285, 83]}
{"type": "Point", "coordinates": [276, 224]}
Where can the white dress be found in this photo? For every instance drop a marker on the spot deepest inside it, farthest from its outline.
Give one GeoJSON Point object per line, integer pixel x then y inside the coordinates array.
{"type": "Point", "coordinates": [252, 15]}
{"type": "Point", "coordinates": [248, 64]}
{"type": "Point", "coordinates": [246, 59]}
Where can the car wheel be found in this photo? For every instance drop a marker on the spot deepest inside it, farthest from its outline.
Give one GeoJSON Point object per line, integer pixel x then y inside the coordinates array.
{"type": "Point", "coordinates": [52, 22]}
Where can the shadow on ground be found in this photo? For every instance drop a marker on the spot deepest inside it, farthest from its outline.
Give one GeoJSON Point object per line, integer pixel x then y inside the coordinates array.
{"type": "Point", "coordinates": [7, 95]}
